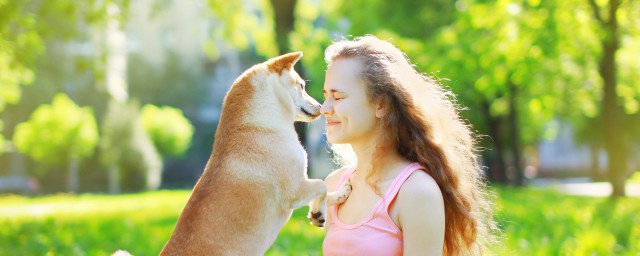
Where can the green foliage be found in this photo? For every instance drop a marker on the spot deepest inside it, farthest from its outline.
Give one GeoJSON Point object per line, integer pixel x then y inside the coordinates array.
{"type": "Point", "coordinates": [19, 44]}
{"type": "Point", "coordinates": [2, 144]}
{"type": "Point", "coordinates": [170, 131]}
{"type": "Point", "coordinates": [24, 26]}
{"type": "Point", "coordinates": [58, 132]}
{"type": "Point", "coordinates": [496, 44]}
{"type": "Point", "coordinates": [407, 19]}
{"type": "Point", "coordinates": [243, 22]}
{"type": "Point", "coordinates": [142, 223]}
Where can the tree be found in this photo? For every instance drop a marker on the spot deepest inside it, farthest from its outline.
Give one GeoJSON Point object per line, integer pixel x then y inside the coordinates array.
{"type": "Point", "coordinates": [597, 55]}
{"type": "Point", "coordinates": [614, 114]}
{"type": "Point", "coordinates": [26, 25]}
{"type": "Point", "coordinates": [170, 131]}
{"type": "Point", "coordinates": [60, 133]}
{"type": "Point", "coordinates": [127, 149]}
{"type": "Point", "coordinates": [19, 44]}
{"type": "Point", "coordinates": [500, 59]}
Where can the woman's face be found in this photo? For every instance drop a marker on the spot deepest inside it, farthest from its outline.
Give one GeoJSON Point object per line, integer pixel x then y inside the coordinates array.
{"type": "Point", "coordinates": [351, 116]}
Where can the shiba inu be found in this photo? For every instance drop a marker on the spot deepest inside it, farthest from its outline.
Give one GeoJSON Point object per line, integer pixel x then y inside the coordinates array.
{"type": "Point", "coordinates": [256, 175]}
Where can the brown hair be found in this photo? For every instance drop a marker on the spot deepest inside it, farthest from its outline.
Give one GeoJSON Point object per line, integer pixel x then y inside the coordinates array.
{"type": "Point", "coordinates": [424, 126]}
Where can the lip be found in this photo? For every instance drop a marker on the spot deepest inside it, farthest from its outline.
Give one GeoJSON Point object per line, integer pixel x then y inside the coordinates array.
{"type": "Point", "coordinates": [331, 123]}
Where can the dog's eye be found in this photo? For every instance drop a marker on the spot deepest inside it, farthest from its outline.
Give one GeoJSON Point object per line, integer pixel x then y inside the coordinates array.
{"type": "Point", "coordinates": [301, 86]}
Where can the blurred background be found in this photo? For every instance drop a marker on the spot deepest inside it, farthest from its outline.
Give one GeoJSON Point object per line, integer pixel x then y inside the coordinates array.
{"type": "Point", "coordinates": [105, 102]}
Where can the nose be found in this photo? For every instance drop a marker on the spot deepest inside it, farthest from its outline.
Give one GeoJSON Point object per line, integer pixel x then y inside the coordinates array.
{"type": "Point", "coordinates": [326, 108]}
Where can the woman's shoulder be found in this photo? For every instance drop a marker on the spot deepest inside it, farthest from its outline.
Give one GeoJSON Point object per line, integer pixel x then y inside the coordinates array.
{"type": "Point", "coordinates": [334, 176]}
{"type": "Point", "coordinates": [421, 210]}
{"type": "Point", "coordinates": [420, 186]}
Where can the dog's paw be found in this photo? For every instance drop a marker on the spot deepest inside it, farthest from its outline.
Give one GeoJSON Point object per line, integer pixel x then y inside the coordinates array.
{"type": "Point", "coordinates": [316, 219]}
{"type": "Point", "coordinates": [345, 192]}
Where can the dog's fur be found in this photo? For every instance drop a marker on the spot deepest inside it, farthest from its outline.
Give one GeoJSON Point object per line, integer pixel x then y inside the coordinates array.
{"type": "Point", "coordinates": [256, 174]}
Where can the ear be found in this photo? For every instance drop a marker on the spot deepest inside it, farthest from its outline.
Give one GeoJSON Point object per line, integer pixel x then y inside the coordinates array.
{"type": "Point", "coordinates": [381, 109]}
{"type": "Point", "coordinates": [284, 62]}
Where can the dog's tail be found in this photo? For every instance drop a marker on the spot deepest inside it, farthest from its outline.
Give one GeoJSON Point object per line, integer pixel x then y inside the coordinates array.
{"type": "Point", "coordinates": [121, 253]}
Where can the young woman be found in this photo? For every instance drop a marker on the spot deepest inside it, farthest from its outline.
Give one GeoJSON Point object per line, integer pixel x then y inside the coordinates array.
{"type": "Point", "coordinates": [417, 186]}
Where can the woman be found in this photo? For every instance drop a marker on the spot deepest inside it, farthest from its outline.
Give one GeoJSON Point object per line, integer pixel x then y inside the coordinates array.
{"type": "Point", "coordinates": [416, 183]}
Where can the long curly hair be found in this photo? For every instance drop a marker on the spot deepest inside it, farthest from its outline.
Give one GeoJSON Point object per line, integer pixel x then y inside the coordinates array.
{"type": "Point", "coordinates": [422, 124]}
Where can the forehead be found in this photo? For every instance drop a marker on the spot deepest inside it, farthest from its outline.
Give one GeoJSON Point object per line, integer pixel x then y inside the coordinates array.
{"type": "Point", "coordinates": [342, 73]}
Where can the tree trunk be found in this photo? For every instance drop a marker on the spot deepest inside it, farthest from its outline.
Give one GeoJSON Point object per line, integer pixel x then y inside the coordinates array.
{"type": "Point", "coordinates": [114, 179]}
{"type": "Point", "coordinates": [497, 169]}
{"type": "Point", "coordinates": [595, 163]}
{"type": "Point", "coordinates": [514, 135]}
{"type": "Point", "coordinates": [612, 112]}
{"type": "Point", "coordinates": [73, 175]}
{"type": "Point", "coordinates": [284, 20]}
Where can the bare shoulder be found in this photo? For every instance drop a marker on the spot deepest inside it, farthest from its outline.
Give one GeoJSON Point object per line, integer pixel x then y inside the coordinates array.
{"type": "Point", "coordinates": [420, 195]}
{"type": "Point", "coordinates": [334, 176]}
{"type": "Point", "coordinates": [421, 215]}
{"type": "Point", "coordinates": [420, 185]}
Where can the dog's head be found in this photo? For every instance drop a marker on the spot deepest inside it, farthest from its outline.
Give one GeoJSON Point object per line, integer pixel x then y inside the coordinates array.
{"type": "Point", "coordinates": [307, 109]}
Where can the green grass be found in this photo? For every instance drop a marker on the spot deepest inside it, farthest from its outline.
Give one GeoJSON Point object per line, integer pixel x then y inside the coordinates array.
{"type": "Point", "coordinates": [534, 222]}
{"type": "Point", "coordinates": [543, 222]}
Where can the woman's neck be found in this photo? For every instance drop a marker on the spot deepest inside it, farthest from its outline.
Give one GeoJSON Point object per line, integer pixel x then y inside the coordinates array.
{"type": "Point", "coordinates": [366, 156]}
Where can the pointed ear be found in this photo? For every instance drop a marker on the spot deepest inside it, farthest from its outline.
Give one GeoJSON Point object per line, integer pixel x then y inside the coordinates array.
{"type": "Point", "coordinates": [283, 62]}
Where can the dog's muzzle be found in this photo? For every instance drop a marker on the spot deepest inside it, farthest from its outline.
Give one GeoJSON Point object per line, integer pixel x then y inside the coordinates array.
{"type": "Point", "coordinates": [309, 114]}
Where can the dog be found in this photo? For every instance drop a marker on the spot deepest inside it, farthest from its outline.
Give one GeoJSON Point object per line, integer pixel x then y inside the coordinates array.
{"type": "Point", "coordinates": [256, 175]}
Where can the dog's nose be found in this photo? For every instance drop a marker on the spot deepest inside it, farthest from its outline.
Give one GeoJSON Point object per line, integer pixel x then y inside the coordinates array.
{"type": "Point", "coordinates": [316, 110]}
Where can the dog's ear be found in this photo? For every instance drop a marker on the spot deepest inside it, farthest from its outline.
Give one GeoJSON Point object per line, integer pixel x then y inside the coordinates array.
{"type": "Point", "coordinates": [283, 62]}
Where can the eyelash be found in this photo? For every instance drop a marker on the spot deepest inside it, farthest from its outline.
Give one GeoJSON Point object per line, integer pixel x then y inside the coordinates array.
{"type": "Point", "coordinates": [334, 98]}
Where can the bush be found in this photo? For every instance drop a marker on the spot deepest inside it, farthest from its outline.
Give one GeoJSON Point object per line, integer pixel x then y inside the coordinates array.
{"type": "Point", "coordinates": [60, 133]}
{"type": "Point", "coordinates": [170, 131]}
{"type": "Point", "coordinates": [55, 133]}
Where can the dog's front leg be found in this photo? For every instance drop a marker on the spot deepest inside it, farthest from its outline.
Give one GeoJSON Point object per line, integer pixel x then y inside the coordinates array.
{"type": "Point", "coordinates": [318, 206]}
{"type": "Point", "coordinates": [309, 190]}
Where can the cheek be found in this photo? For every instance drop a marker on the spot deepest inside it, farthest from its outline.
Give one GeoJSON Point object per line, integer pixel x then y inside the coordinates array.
{"type": "Point", "coordinates": [355, 119]}
{"type": "Point", "coordinates": [362, 123]}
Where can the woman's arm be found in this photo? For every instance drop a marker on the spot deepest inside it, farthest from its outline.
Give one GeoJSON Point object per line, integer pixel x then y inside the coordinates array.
{"type": "Point", "coordinates": [421, 215]}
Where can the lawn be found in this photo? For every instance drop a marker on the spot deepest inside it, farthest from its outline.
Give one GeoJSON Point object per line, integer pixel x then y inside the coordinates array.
{"type": "Point", "coordinates": [534, 222]}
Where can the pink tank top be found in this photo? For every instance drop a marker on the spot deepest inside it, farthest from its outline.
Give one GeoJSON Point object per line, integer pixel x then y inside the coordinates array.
{"type": "Point", "coordinates": [374, 235]}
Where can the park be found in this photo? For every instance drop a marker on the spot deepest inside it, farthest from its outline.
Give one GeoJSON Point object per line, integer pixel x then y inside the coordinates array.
{"type": "Point", "coordinates": [108, 112]}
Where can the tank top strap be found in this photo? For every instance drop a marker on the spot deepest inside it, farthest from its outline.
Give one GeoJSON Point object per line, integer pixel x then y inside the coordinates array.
{"type": "Point", "coordinates": [345, 176]}
{"type": "Point", "coordinates": [397, 183]}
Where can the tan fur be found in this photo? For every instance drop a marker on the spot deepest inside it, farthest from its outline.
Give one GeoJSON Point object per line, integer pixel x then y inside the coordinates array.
{"type": "Point", "coordinates": [256, 174]}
